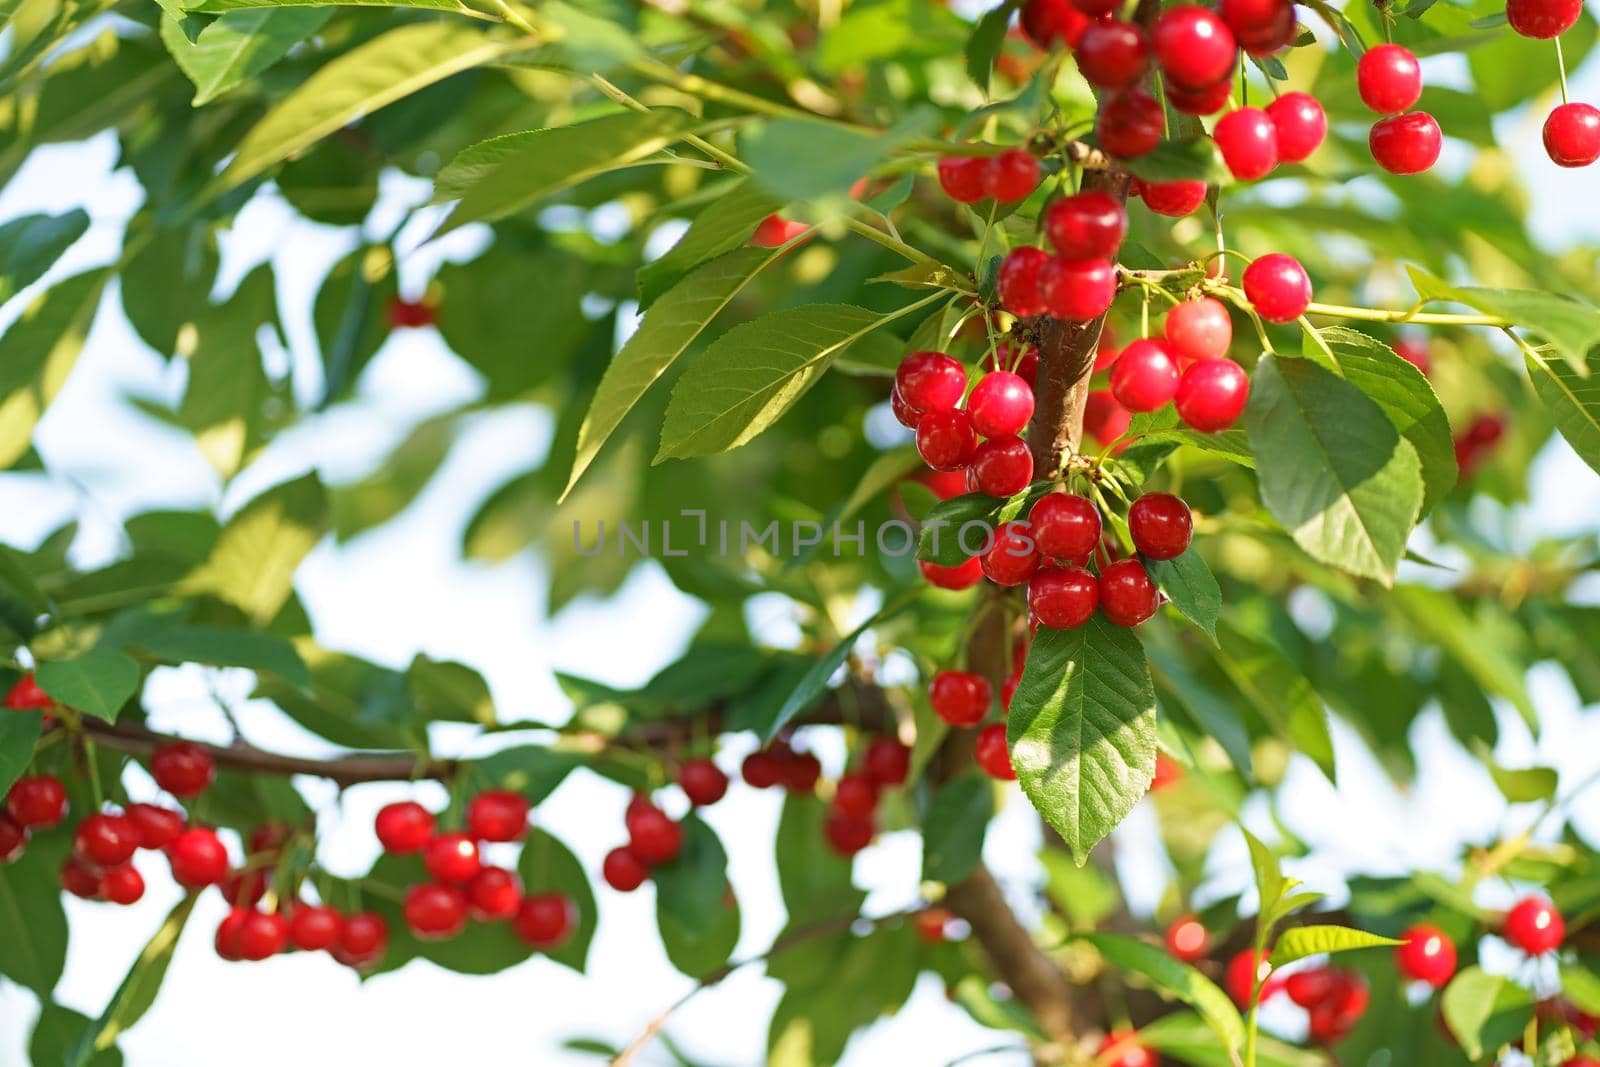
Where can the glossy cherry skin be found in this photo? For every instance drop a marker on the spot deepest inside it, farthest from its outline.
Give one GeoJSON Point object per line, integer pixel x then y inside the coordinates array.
{"type": "Point", "coordinates": [80, 878]}
{"type": "Point", "coordinates": [1077, 289]}
{"type": "Point", "coordinates": [1088, 225]}
{"type": "Point", "coordinates": [1206, 100]}
{"type": "Point", "coordinates": [1260, 26]}
{"type": "Point", "coordinates": [960, 698]}
{"type": "Point", "coordinates": [1332, 1018]}
{"type": "Point", "coordinates": [121, 885]}
{"type": "Point", "coordinates": [1001, 467]}
{"type": "Point", "coordinates": [1311, 987]}
{"type": "Point", "coordinates": [1187, 939]}
{"type": "Point", "coordinates": [1248, 141]}
{"type": "Point", "coordinates": [1103, 418]}
{"type": "Point", "coordinates": [1543, 19]}
{"type": "Point", "coordinates": [654, 837]}
{"type": "Point", "coordinates": [545, 920]}
{"type": "Point", "coordinates": [314, 927]}
{"type": "Point", "coordinates": [1161, 525]}
{"type": "Point", "coordinates": [13, 839]}
{"type": "Point", "coordinates": [1173, 199]}
{"type": "Point", "coordinates": [451, 857]}
{"type": "Point", "coordinates": [1121, 1048]}
{"type": "Point", "coordinates": [855, 795]}
{"type": "Point", "coordinates": [1534, 926]}
{"type": "Point", "coordinates": [1277, 287]}
{"type": "Point", "coordinates": [1049, 23]}
{"type": "Point", "coordinates": [362, 940]}
{"type": "Point", "coordinates": [1062, 598]}
{"type": "Point", "coordinates": [776, 231]}
{"type": "Point", "coordinates": [1389, 78]}
{"type": "Point", "coordinates": [1127, 595]}
{"type": "Point", "coordinates": [1212, 395]}
{"type": "Point", "coordinates": [1012, 557]}
{"type": "Point", "coordinates": [1018, 281]}
{"type": "Point", "coordinates": [703, 781]}
{"type": "Point", "coordinates": [494, 894]}
{"type": "Point", "coordinates": [946, 440]}
{"type": "Point", "coordinates": [887, 762]}
{"type": "Point", "coordinates": [962, 576]}
{"type": "Point", "coordinates": [37, 802]}
{"type": "Point", "coordinates": [26, 695]}
{"type": "Point", "coordinates": [800, 772]}
{"type": "Point", "coordinates": [846, 834]}
{"type": "Point", "coordinates": [198, 858]}
{"type": "Point", "coordinates": [1010, 176]}
{"type": "Point", "coordinates": [1194, 46]}
{"type": "Point", "coordinates": [991, 753]}
{"type": "Point", "coordinates": [760, 769]}
{"type": "Point", "coordinates": [930, 381]}
{"type": "Point", "coordinates": [105, 840]}
{"type": "Point", "coordinates": [1199, 329]}
{"type": "Point", "coordinates": [244, 888]}
{"type": "Point", "coordinates": [1406, 144]}
{"type": "Point", "coordinates": [1130, 123]}
{"type": "Point", "coordinates": [226, 939]}
{"type": "Point", "coordinates": [404, 827]}
{"type": "Point", "coordinates": [1572, 135]}
{"type": "Point", "coordinates": [1243, 971]}
{"type": "Point", "coordinates": [498, 815]}
{"type": "Point", "coordinates": [1145, 377]}
{"type": "Point", "coordinates": [622, 870]}
{"type": "Point", "coordinates": [435, 912]}
{"type": "Point", "coordinates": [1112, 53]}
{"type": "Point", "coordinates": [1301, 124]}
{"type": "Point", "coordinates": [263, 935]}
{"type": "Point", "coordinates": [1065, 526]}
{"type": "Point", "coordinates": [961, 178]}
{"type": "Point", "coordinates": [1427, 955]}
{"type": "Point", "coordinates": [1000, 405]}
{"type": "Point", "coordinates": [182, 769]}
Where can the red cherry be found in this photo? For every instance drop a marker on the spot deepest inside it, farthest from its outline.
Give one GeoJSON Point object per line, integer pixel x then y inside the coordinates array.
{"type": "Point", "coordinates": [1127, 595]}
{"type": "Point", "coordinates": [545, 920]}
{"type": "Point", "coordinates": [654, 837]}
{"type": "Point", "coordinates": [1012, 557]}
{"type": "Point", "coordinates": [1087, 226]}
{"type": "Point", "coordinates": [105, 840]}
{"type": "Point", "coordinates": [1065, 526]}
{"type": "Point", "coordinates": [1001, 467]}
{"type": "Point", "coordinates": [13, 839]}
{"type": "Point", "coordinates": [410, 314]}
{"type": "Point", "coordinates": [887, 762]}
{"type": "Point", "coordinates": [904, 413]}
{"type": "Point", "coordinates": [403, 827]}
{"type": "Point", "coordinates": [801, 773]}
{"type": "Point", "coordinates": [435, 912]}
{"type": "Point", "coordinates": [314, 927]}
{"type": "Point", "coordinates": [498, 815]}
{"type": "Point", "coordinates": [1212, 394]}
{"type": "Point", "coordinates": [945, 440]}
{"type": "Point", "coordinates": [1121, 1048]}
{"type": "Point", "coordinates": [1103, 418]}
{"type": "Point", "coordinates": [1112, 53]}
{"type": "Point", "coordinates": [1206, 100]}
{"type": "Point", "coordinates": [1543, 19]}
{"type": "Point", "coordinates": [961, 178]}
{"type": "Point", "coordinates": [26, 695]}
{"type": "Point", "coordinates": [930, 924]}
{"type": "Point", "coordinates": [944, 484]}
{"type": "Point", "coordinates": [1260, 26]}
{"type": "Point", "coordinates": [962, 576]}
{"type": "Point", "coordinates": [759, 770]}
{"type": "Point", "coordinates": [263, 935]}
{"type": "Point", "coordinates": [268, 839]}
{"type": "Point", "coordinates": [960, 698]}
{"type": "Point", "coordinates": [493, 894]}
{"type": "Point", "coordinates": [1000, 405]}
{"type": "Point", "coordinates": [1301, 124]}
{"type": "Point", "coordinates": [930, 381]}
{"type": "Point", "coordinates": [198, 858]}
{"type": "Point", "coordinates": [1096, 8]}
{"type": "Point", "coordinates": [121, 885]}
{"type": "Point", "coordinates": [227, 936]}
{"type": "Point", "coordinates": [1063, 598]}
{"type": "Point", "coordinates": [363, 937]}
{"type": "Point", "coordinates": [1173, 199]}
{"type": "Point", "coordinates": [1194, 46]}
{"type": "Point", "coordinates": [1311, 987]}
{"type": "Point", "coordinates": [846, 834]}
{"type": "Point", "coordinates": [1199, 329]}
{"type": "Point", "coordinates": [1018, 281]}
{"type": "Point", "coordinates": [776, 231]}
{"type": "Point", "coordinates": [1389, 78]}
{"type": "Point", "coordinates": [1049, 23]}
{"type": "Point", "coordinates": [622, 870]}
{"type": "Point", "coordinates": [856, 796]}
{"type": "Point", "coordinates": [702, 781]}
{"type": "Point", "coordinates": [1277, 287]}
{"type": "Point", "coordinates": [1161, 526]}
{"type": "Point", "coordinates": [989, 749]}
{"type": "Point", "coordinates": [1130, 123]}
{"type": "Point", "coordinates": [1078, 289]}
{"type": "Point", "coordinates": [1145, 377]}
{"type": "Point", "coordinates": [1534, 926]}
{"type": "Point", "coordinates": [1333, 1018]}
{"type": "Point", "coordinates": [1242, 973]}
{"type": "Point", "coordinates": [1010, 176]}
{"type": "Point", "coordinates": [80, 879]}
{"type": "Point", "coordinates": [1405, 144]}
{"type": "Point", "coordinates": [244, 889]}
{"type": "Point", "coordinates": [1187, 939]}
{"type": "Point", "coordinates": [451, 857]}
{"type": "Point", "coordinates": [1427, 955]}
{"type": "Point", "coordinates": [1572, 135]}
{"type": "Point", "coordinates": [38, 803]}
{"type": "Point", "coordinates": [1249, 142]}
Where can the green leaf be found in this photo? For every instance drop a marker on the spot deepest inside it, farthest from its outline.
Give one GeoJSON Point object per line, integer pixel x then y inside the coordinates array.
{"type": "Point", "coordinates": [1405, 396]}
{"type": "Point", "coordinates": [669, 328]}
{"type": "Point", "coordinates": [253, 563]}
{"type": "Point", "coordinates": [1271, 885]}
{"type": "Point", "coordinates": [38, 352]}
{"type": "Point", "coordinates": [811, 685]}
{"type": "Point", "coordinates": [220, 647]}
{"type": "Point", "coordinates": [1332, 467]}
{"type": "Point", "coordinates": [953, 829]}
{"type": "Point", "coordinates": [1572, 327]}
{"type": "Point", "coordinates": [31, 915]}
{"type": "Point", "coordinates": [940, 540]}
{"type": "Point", "coordinates": [547, 865]}
{"type": "Point", "coordinates": [98, 683]}
{"type": "Point", "coordinates": [56, 1032]}
{"type": "Point", "coordinates": [888, 29]}
{"type": "Point", "coordinates": [803, 159]}
{"type": "Point", "coordinates": [814, 881]}
{"type": "Point", "coordinates": [1522, 785]}
{"type": "Point", "coordinates": [1192, 588]}
{"type": "Point", "coordinates": [1582, 987]}
{"type": "Point", "coordinates": [1193, 159]}
{"type": "Point", "coordinates": [1279, 692]}
{"type": "Point", "coordinates": [376, 73]}
{"type": "Point", "coordinates": [504, 175]}
{"type": "Point", "coordinates": [695, 909]}
{"type": "Point", "coordinates": [1299, 942]}
{"type": "Point", "coordinates": [1189, 1039]}
{"type": "Point", "coordinates": [30, 244]}
{"type": "Point", "coordinates": [19, 732]}
{"type": "Point", "coordinates": [1484, 1010]}
{"type": "Point", "coordinates": [138, 990]}
{"type": "Point", "coordinates": [213, 6]}
{"type": "Point", "coordinates": [988, 37]}
{"type": "Point", "coordinates": [1178, 979]}
{"type": "Point", "coordinates": [1082, 730]}
{"type": "Point", "coordinates": [1441, 618]}
{"type": "Point", "coordinates": [239, 45]}
{"type": "Point", "coordinates": [1573, 401]}
{"type": "Point", "coordinates": [443, 691]}
{"type": "Point", "coordinates": [724, 223]}
{"type": "Point", "coordinates": [754, 373]}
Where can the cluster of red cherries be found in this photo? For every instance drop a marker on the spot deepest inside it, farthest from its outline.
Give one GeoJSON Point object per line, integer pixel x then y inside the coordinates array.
{"type": "Point", "coordinates": [1389, 81]}
{"type": "Point", "coordinates": [851, 823]}
{"type": "Point", "coordinates": [1572, 130]}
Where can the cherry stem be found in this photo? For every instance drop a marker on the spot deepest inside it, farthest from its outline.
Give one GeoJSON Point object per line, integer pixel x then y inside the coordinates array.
{"type": "Point", "coordinates": [1561, 66]}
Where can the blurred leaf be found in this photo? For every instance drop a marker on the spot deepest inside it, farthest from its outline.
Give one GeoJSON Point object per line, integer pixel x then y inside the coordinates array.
{"type": "Point", "coordinates": [1279, 692]}
{"type": "Point", "coordinates": [30, 245]}
{"type": "Point", "coordinates": [695, 907]}
{"type": "Point", "coordinates": [880, 30]}
{"type": "Point", "coordinates": [1571, 327]}
{"type": "Point", "coordinates": [37, 353]}
{"type": "Point", "coordinates": [726, 222]}
{"type": "Point", "coordinates": [1191, 587]}
{"type": "Point", "coordinates": [802, 159]}
{"type": "Point", "coordinates": [239, 45]}
{"type": "Point", "coordinates": [19, 732]}
{"type": "Point", "coordinates": [55, 1033]}
{"type": "Point", "coordinates": [954, 826]}
{"type": "Point", "coordinates": [1521, 785]}
{"type": "Point", "coordinates": [547, 865]}
{"type": "Point", "coordinates": [1573, 401]}
{"type": "Point", "coordinates": [1189, 1039]}
{"type": "Point", "coordinates": [987, 38]}
{"type": "Point", "coordinates": [98, 682]}
{"type": "Point", "coordinates": [36, 927]}
{"type": "Point", "coordinates": [261, 547]}
{"type": "Point", "coordinates": [443, 691]}
{"type": "Point", "coordinates": [138, 990]}
{"type": "Point", "coordinates": [1175, 979]}
{"type": "Point", "coordinates": [1484, 1010]}
{"type": "Point", "coordinates": [1170, 161]}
